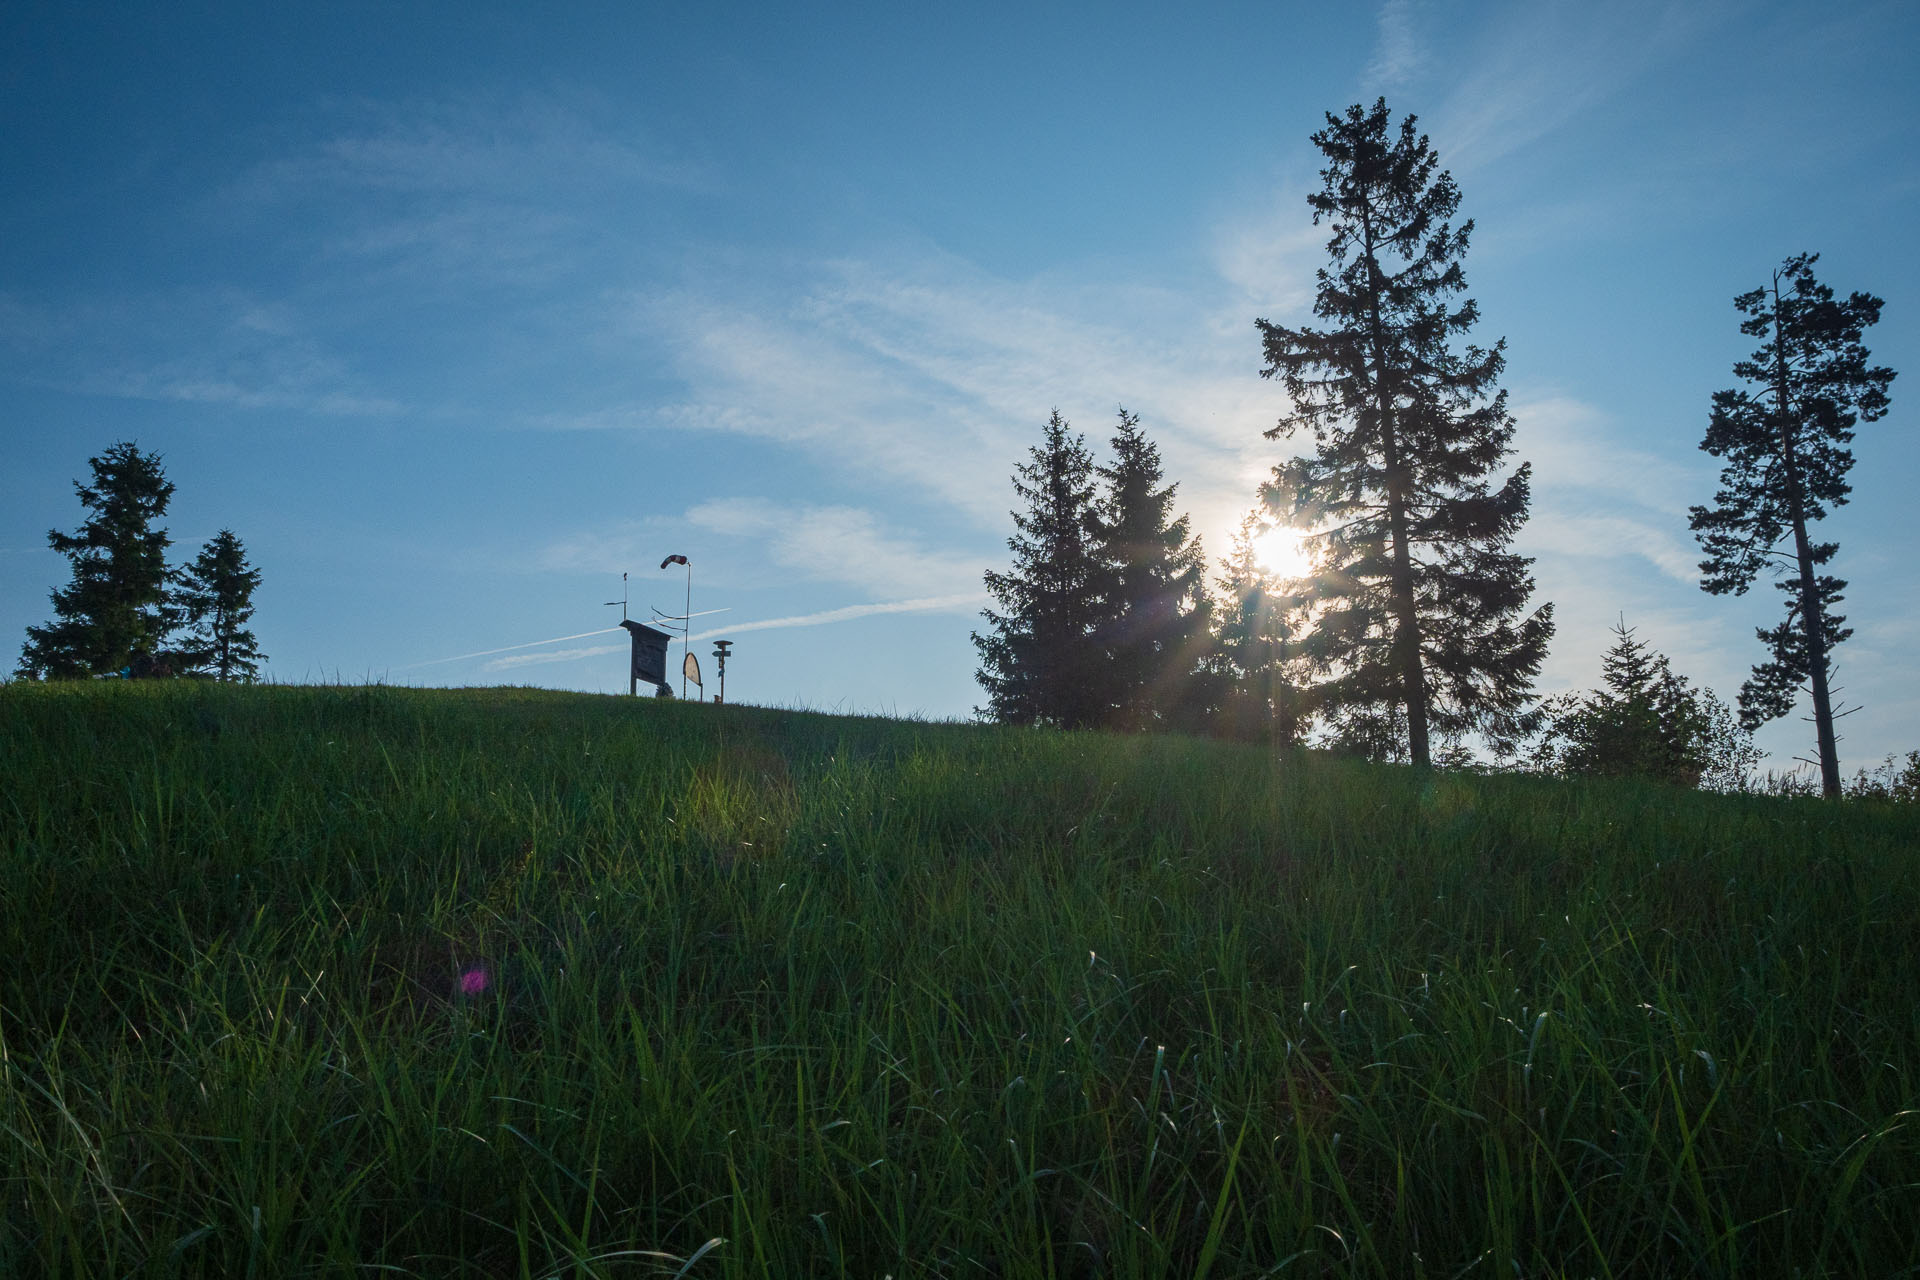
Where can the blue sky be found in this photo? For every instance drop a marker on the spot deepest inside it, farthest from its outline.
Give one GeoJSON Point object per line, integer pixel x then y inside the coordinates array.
{"type": "Point", "coordinates": [455, 312]}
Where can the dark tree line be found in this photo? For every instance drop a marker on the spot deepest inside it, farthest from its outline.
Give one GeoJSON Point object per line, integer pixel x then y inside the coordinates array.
{"type": "Point", "coordinates": [1103, 620]}
{"type": "Point", "coordinates": [124, 611]}
{"type": "Point", "coordinates": [1414, 628]}
{"type": "Point", "coordinates": [1415, 621]}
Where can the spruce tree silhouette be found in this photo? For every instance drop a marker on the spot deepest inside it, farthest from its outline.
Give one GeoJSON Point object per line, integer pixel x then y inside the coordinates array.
{"type": "Point", "coordinates": [1154, 616]}
{"type": "Point", "coordinates": [1419, 611]}
{"type": "Point", "coordinates": [214, 601]}
{"type": "Point", "coordinates": [1038, 660]}
{"type": "Point", "coordinates": [112, 615]}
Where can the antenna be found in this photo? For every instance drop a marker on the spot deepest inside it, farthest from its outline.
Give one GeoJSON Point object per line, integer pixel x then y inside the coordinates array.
{"type": "Point", "coordinates": [622, 601]}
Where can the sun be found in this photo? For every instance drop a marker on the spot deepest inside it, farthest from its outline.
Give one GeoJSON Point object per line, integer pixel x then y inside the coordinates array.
{"type": "Point", "coordinates": [1282, 552]}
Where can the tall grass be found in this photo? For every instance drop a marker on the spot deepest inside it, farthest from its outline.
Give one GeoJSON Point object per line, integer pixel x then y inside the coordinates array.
{"type": "Point", "coordinates": [502, 983]}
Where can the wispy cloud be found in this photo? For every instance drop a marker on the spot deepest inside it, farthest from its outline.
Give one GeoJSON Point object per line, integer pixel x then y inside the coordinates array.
{"type": "Point", "coordinates": [1579, 535]}
{"type": "Point", "coordinates": [1398, 55]}
{"type": "Point", "coordinates": [1267, 256]}
{"type": "Point", "coordinates": [1547, 64]}
{"type": "Point", "coordinates": [471, 147]}
{"type": "Point", "coordinates": [838, 544]}
{"type": "Point", "coordinates": [610, 549]}
{"type": "Point", "coordinates": [199, 346]}
{"type": "Point", "coordinates": [758, 541]}
{"type": "Point", "coordinates": [927, 375]}
{"type": "Point", "coordinates": [1598, 498]}
{"type": "Point", "coordinates": [1608, 531]}
{"type": "Point", "coordinates": [447, 194]}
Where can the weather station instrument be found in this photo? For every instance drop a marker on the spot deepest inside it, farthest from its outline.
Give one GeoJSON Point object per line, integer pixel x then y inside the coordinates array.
{"type": "Point", "coordinates": [622, 601]}
{"type": "Point", "coordinates": [651, 641]}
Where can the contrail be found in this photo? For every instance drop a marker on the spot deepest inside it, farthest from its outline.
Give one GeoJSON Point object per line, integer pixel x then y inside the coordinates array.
{"type": "Point", "coordinates": [531, 644]}
{"type": "Point", "coordinates": [557, 655]}
{"type": "Point", "coordinates": [926, 604]}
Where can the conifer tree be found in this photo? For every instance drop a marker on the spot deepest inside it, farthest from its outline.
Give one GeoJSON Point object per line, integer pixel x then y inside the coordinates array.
{"type": "Point", "coordinates": [1785, 444]}
{"type": "Point", "coordinates": [1154, 612]}
{"type": "Point", "coordinates": [214, 599]}
{"type": "Point", "coordinates": [1419, 611]}
{"type": "Point", "coordinates": [1038, 661]}
{"type": "Point", "coordinates": [1257, 648]}
{"type": "Point", "coordinates": [1647, 721]}
{"type": "Point", "coordinates": [112, 615]}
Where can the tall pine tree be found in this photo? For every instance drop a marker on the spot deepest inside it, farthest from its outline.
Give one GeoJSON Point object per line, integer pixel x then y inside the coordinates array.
{"type": "Point", "coordinates": [112, 615]}
{"type": "Point", "coordinates": [1154, 613]}
{"type": "Point", "coordinates": [214, 599]}
{"type": "Point", "coordinates": [1419, 611]}
{"type": "Point", "coordinates": [1785, 443]}
{"type": "Point", "coordinates": [1038, 660]}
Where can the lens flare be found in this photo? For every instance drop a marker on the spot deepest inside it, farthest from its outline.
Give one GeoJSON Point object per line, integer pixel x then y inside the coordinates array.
{"type": "Point", "coordinates": [1282, 552]}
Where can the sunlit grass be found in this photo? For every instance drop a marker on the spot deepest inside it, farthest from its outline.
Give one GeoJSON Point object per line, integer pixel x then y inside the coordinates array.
{"type": "Point", "coordinates": [503, 983]}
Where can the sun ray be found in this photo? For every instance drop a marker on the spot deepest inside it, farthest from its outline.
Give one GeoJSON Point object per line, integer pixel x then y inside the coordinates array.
{"type": "Point", "coordinates": [1282, 552]}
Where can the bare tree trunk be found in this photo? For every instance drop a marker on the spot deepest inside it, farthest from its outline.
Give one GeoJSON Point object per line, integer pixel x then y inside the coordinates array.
{"type": "Point", "coordinates": [1816, 659]}
{"type": "Point", "coordinates": [1406, 638]}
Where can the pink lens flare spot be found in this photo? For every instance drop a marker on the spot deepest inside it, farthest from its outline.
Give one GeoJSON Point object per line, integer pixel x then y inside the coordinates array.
{"type": "Point", "coordinates": [473, 982]}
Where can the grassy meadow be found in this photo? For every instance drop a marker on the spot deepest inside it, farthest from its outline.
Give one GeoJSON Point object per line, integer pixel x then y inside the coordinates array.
{"type": "Point", "coordinates": [330, 981]}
